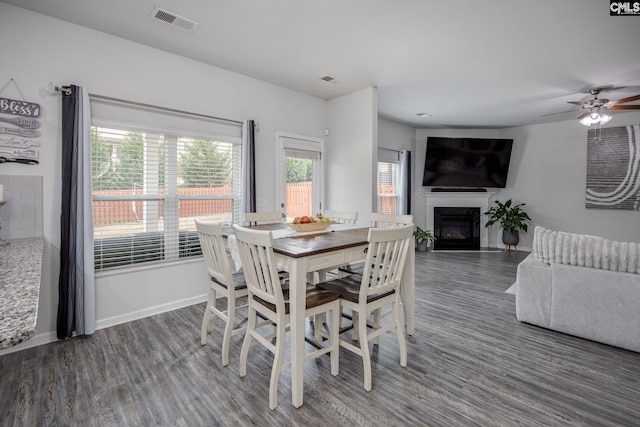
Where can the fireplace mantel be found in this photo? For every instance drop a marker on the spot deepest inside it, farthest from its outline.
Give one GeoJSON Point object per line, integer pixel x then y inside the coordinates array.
{"type": "Point", "coordinates": [460, 199]}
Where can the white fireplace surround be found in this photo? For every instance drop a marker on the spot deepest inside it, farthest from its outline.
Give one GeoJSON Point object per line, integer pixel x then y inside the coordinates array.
{"type": "Point", "coordinates": [460, 200]}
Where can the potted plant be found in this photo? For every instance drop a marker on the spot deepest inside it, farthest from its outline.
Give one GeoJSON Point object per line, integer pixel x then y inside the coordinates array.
{"type": "Point", "coordinates": [424, 239]}
{"type": "Point", "coordinates": [512, 219]}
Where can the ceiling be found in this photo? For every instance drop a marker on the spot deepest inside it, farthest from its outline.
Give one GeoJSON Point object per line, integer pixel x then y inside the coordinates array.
{"type": "Point", "coordinates": [467, 63]}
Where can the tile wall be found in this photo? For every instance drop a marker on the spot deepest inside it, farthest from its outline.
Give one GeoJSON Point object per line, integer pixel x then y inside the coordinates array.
{"type": "Point", "coordinates": [21, 215]}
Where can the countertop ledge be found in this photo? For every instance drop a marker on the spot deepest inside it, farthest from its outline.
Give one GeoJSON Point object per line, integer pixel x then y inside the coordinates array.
{"type": "Point", "coordinates": [20, 271]}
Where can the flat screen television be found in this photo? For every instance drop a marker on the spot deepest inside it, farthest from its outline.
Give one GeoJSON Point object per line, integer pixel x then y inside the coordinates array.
{"type": "Point", "coordinates": [467, 162]}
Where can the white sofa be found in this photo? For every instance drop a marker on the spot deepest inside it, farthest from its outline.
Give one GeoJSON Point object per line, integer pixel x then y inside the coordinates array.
{"type": "Point", "coordinates": [582, 285]}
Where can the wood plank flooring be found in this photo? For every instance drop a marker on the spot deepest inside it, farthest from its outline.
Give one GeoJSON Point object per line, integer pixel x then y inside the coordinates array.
{"type": "Point", "coordinates": [471, 363]}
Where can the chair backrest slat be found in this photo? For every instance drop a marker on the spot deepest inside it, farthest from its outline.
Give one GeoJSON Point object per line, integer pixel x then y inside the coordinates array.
{"type": "Point", "coordinates": [258, 264]}
{"type": "Point", "coordinates": [257, 218]}
{"type": "Point", "coordinates": [341, 217]}
{"type": "Point", "coordinates": [385, 261]}
{"type": "Point", "coordinates": [214, 251]}
{"type": "Point", "coordinates": [379, 220]}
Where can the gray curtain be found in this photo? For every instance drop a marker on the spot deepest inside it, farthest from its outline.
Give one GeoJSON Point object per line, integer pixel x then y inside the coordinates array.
{"type": "Point", "coordinates": [248, 166]}
{"type": "Point", "coordinates": [405, 182]}
{"type": "Point", "coordinates": [76, 290]}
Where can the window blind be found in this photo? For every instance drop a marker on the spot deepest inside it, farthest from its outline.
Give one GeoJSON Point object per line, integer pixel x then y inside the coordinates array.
{"type": "Point", "coordinates": [388, 175]}
{"type": "Point", "coordinates": [301, 154]}
{"type": "Point", "coordinates": [150, 183]}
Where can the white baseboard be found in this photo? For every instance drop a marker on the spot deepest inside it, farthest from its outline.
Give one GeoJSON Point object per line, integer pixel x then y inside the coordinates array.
{"type": "Point", "coordinates": [49, 337]}
{"type": "Point", "coordinates": [151, 311]}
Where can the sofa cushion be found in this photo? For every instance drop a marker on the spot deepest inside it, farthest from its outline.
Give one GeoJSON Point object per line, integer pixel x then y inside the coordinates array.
{"type": "Point", "coordinates": [557, 247]}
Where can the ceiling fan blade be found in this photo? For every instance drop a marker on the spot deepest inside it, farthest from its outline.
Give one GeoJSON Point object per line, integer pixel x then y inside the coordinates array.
{"type": "Point", "coordinates": [575, 103]}
{"type": "Point", "coordinates": [624, 100]}
{"type": "Point", "coordinates": [583, 115]}
{"type": "Point", "coordinates": [624, 107]}
{"type": "Point", "coordinates": [559, 112]}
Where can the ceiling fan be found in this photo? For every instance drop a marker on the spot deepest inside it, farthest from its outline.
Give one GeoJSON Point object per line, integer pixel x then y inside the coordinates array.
{"type": "Point", "coordinates": [594, 114]}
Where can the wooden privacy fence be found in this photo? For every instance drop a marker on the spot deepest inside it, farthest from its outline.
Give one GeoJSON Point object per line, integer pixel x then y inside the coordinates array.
{"type": "Point", "coordinates": [387, 204]}
{"type": "Point", "coordinates": [299, 197]}
{"type": "Point", "coordinates": [123, 211]}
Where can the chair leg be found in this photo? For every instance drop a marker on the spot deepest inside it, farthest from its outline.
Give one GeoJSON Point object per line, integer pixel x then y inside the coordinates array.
{"type": "Point", "coordinates": [376, 324]}
{"type": "Point", "coordinates": [364, 348]}
{"type": "Point", "coordinates": [334, 339]}
{"type": "Point", "coordinates": [400, 334]}
{"type": "Point", "coordinates": [277, 365]}
{"type": "Point", "coordinates": [355, 332]}
{"type": "Point", "coordinates": [248, 337]}
{"type": "Point", "coordinates": [318, 320]}
{"type": "Point", "coordinates": [226, 338]}
{"type": "Point", "coordinates": [206, 320]}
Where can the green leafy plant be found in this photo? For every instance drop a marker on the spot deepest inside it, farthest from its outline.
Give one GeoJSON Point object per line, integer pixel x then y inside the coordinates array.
{"type": "Point", "coordinates": [423, 235]}
{"type": "Point", "coordinates": [511, 218]}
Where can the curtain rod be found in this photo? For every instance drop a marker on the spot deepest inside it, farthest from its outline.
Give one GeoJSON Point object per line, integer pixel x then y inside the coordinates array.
{"type": "Point", "coordinates": [389, 149]}
{"type": "Point", "coordinates": [67, 91]}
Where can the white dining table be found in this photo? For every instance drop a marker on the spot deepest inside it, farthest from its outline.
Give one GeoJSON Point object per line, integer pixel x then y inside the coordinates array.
{"type": "Point", "coordinates": [303, 253]}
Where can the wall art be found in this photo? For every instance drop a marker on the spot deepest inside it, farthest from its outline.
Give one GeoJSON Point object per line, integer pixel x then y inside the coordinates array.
{"type": "Point", "coordinates": [613, 168]}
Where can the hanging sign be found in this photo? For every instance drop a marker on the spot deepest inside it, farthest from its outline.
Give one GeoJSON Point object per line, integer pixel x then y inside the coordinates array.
{"type": "Point", "coordinates": [23, 161]}
{"type": "Point", "coordinates": [19, 108]}
{"type": "Point", "coordinates": [25, 153]}
{"type": "Point", "coordinates": [22, 122]}
{"type": "Point", "coordinates": [20, 132]}
{"type": "Point", "coordinates": [16, 142]}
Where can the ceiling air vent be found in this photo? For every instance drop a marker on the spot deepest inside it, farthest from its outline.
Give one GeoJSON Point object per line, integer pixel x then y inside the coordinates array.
{"type": "Point", "coordinates": [173, 19]}
{"type": "Point", "coordinates": [330, 79]}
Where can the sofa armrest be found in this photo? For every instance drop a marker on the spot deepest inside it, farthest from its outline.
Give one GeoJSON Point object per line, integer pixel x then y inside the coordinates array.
{"type": "Point", "coordinates": [599, 305]}
{"type": "Point", "coordinates": [533, 292]}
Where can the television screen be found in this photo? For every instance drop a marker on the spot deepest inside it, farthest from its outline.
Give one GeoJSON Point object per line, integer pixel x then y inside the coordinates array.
{"type": "Point", "coordinates": [467, 162]}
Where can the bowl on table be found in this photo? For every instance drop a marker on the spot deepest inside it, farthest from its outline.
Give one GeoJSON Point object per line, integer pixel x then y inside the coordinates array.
{"type": "Point", "coordinates": [311, 226]}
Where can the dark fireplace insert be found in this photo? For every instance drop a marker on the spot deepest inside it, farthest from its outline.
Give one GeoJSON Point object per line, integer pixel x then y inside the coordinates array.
{"type": "Point", "coordinates": [456, 228]}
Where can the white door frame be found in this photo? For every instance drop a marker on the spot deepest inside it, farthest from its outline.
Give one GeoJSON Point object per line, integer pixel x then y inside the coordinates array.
{"type": "Point", "coordinates": [290, 140]}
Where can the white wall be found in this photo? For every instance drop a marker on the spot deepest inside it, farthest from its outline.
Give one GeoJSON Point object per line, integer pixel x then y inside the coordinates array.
{"type": "Point", "coordinates": [549, 173]}
{"type": "Point", "coordinates": [37, 50]}
{"type": "Point", "coordinates": [398, 136]}
{"type": "Point", "coordinates": [351, 153]}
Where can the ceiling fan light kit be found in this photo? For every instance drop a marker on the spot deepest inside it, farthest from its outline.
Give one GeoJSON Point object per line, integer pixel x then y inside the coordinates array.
{"type": "Point", "coordinates": [594, 118]}
{"type": "Point", "coordinates": [593, 107]}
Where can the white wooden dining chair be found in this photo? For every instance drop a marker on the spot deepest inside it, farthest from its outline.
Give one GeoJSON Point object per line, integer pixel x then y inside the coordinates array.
{"type": "Point", "coordinates": [379, 220]}
{"type": "Point", "coordinates": [341, 217]}
{"type": "Point", "coordinates": [338, 217]}
{"type": "Point", "coordinates": [268, 299]}
{"type": "Point", "coordinates": [377, 287]}
{"type": "Point", "coordinates": [222, 284]}
{"type": "Point", "coordinates": [257, 218]}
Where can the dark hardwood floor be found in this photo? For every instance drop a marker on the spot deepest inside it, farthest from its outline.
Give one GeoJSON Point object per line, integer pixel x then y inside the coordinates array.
{"type": "Point", "coordinates": [471, 363]}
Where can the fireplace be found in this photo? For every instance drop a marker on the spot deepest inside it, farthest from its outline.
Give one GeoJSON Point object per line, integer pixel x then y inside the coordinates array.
{"type": "Point", "coordinates": [458, 200]}
{"type": "Point", "coordinates": [456, 228]}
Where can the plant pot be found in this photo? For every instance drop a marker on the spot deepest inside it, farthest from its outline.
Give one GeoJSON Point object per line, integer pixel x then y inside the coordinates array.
{"type": "Point", "coordinates": [423, 246]}
{"type": "Point", "coordinates": [510, 239]}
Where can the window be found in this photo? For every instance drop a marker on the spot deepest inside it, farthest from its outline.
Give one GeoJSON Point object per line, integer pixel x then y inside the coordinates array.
{"type": "Point", "coordinates": [388, 188]}
{"type": "Point", "coordinates": [299, 174]}
{"type": "Point", "coordinates": [149, 186]}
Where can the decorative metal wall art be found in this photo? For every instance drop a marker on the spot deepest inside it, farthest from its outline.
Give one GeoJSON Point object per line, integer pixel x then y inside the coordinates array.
{"type": "Point", "coordinates": [613, 168]}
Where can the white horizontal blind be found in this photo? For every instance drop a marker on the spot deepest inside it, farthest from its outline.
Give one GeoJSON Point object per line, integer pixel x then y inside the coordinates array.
{"type": "Point", "coordinates": [297, 153]}
{"type": "Point", "coordinates": [388, 179]}
{"type": "Point", "coordinates": [148, 187]}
